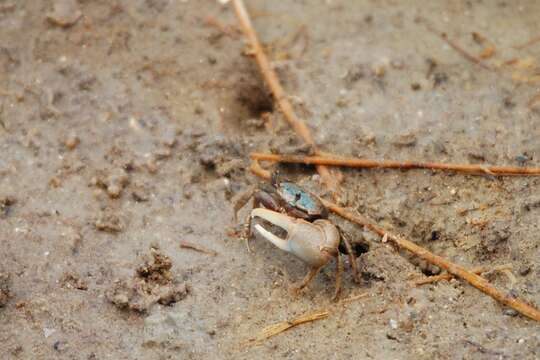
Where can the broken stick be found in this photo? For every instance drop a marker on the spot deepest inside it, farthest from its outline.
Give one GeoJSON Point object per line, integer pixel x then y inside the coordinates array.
{"type": "Point", "coordinates": [280, 327]}
{"type": "Point", "coordinates": [187, 245]}
{"type": "Point", "coordinates": [332, 160]}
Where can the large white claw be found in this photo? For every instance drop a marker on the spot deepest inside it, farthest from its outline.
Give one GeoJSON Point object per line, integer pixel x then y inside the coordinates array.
{"type": "Point", "coordinates": [315, 243]}
{"type": "Point", "coordinates": [283, 221]}
{"type": "Point", "coordinates": [280, 243]}
{"type": "Point", "coordinates": [275, 218]}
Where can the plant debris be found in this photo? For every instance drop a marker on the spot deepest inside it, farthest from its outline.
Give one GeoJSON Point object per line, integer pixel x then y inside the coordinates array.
{"type": "Point", "coordinates": [282, 326]}
{"type": "Point", "coordinates": [187, 245]}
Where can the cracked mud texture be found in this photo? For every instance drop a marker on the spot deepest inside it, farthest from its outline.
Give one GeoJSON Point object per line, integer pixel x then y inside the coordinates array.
{"type": "Point", "coordinates": [129, 123]}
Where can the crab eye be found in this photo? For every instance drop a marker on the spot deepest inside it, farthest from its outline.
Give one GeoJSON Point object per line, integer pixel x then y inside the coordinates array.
{"type": "Point", "coordinates": [274, 179]}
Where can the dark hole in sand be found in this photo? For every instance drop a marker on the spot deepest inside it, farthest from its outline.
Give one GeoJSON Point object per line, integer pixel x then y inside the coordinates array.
{"type": "Point", "coordinates": [255, 99]}
{"type": "Point", "coordinates": [359, 248]}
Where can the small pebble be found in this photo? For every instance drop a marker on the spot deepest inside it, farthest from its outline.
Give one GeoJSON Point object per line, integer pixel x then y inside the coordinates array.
{"type": "Point", "coordinates": [114, 190]}
{"type": "Point", "coordinates": [48, 332]}
{"type": "Point", "coordinates": [169, 138]}
{"type": "Point", "coordinates": [524, 270]}
{"type": "Point", "coordinates": [162, 153]}
{"type": "Point", "coordinates": [140, 195]}
{"type": "Point", "coordinates": [116, 182]}
{"type": "Point", "coordinates": [510, 312]}
{"type": "Point", "coordinates": [152, 166]}
{"type": "Point", "coordinates": [71, 141]}
{"type": "Point", "coordinates": [397, 64]}
{"type": "Point", "coordinates": [65, 14]}
{"type": "Point", "coordinates": [55, 182]}
{"type": "Point", "coordinates": [187, 193]}
{"type": "Point", "coordinates": [58, 345]}
{"type": "Point", "coordinates": [379, 70]}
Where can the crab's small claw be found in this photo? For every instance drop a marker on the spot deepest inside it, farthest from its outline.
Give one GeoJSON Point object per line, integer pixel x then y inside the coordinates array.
{"type": "Point", "coordinates": [314, 243]}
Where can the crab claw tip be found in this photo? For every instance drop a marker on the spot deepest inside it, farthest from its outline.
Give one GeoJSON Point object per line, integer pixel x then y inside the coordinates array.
{"type": "Point", "coordinates": [280, 243]}
{"type": "Point", "coordinates": [275, 218]}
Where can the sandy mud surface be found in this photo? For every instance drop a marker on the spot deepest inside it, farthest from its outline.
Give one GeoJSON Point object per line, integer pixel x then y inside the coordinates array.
{"type": "Point", "coordinates": [125, 129]}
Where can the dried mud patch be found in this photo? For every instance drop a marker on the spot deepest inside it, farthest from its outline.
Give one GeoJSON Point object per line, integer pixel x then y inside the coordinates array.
{"type": "Point", "coordinates": [152, 283]}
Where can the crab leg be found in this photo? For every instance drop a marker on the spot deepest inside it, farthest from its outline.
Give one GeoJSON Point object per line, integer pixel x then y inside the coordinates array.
{"type": "Point", "coordinates": [352, 258]}
{"type": "Point", "coordinates": [339, 271]}
{"type": "Point", "coordinates": [246, 233]}
{"type": "Point", "coordinates": [305, 282]}
{"type": "Point", "coordinates": [242, 200]}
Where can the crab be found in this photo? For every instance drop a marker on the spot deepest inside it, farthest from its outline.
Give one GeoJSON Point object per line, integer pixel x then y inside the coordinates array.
{"type": "Point", "coordinates": [285, 197]}
{"type": "Point", "coordinates": [310, 236]}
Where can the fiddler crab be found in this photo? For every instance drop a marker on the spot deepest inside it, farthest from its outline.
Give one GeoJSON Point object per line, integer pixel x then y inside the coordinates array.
{"type": "Point", "coordinates": [310, 236]}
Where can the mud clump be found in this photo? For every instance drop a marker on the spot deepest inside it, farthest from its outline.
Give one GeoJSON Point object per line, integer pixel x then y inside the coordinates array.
{"type": "Point", "coordinates": [113, 183]}
{"type": "Point", "coordinates": [109, 222]}
{"type": "Point", "coordinates": [65, 13]}
{"type": "Point", "coordinates": [6, 202]}
{"type": "Point", "coordinates": [73, 281]}
{"type": "Point", "coordinates": [71, 141]}
{"type": "Point", "coordinates": [5, 284]}
{"type": "Point", "coordinates": [221, 156]}
{"type": "Point", "coordinates": [152, 283]}
{"type": "Point", "coordinates": [140, 192]}
{"type": "Point", "coordinates": [157, 269]}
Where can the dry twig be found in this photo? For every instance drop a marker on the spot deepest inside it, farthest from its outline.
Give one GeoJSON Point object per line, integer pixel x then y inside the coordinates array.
{"type": "Point", "coordinates": [332, 160]}
{"type": "Point", "coordinates": [475, 280]}
{"type": "Point", "coordinates": [354, 298]}
{"type": "Point", "coordinates": [187, 245]}
{"type": "Point", "coordinates": [282, 326]}
{"type": "Point", "coordinates": [458, 48]}
{"type": "Point", "coordinates": [280, 96]}
{"type": "Point", "coordinates": [446, 276]}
